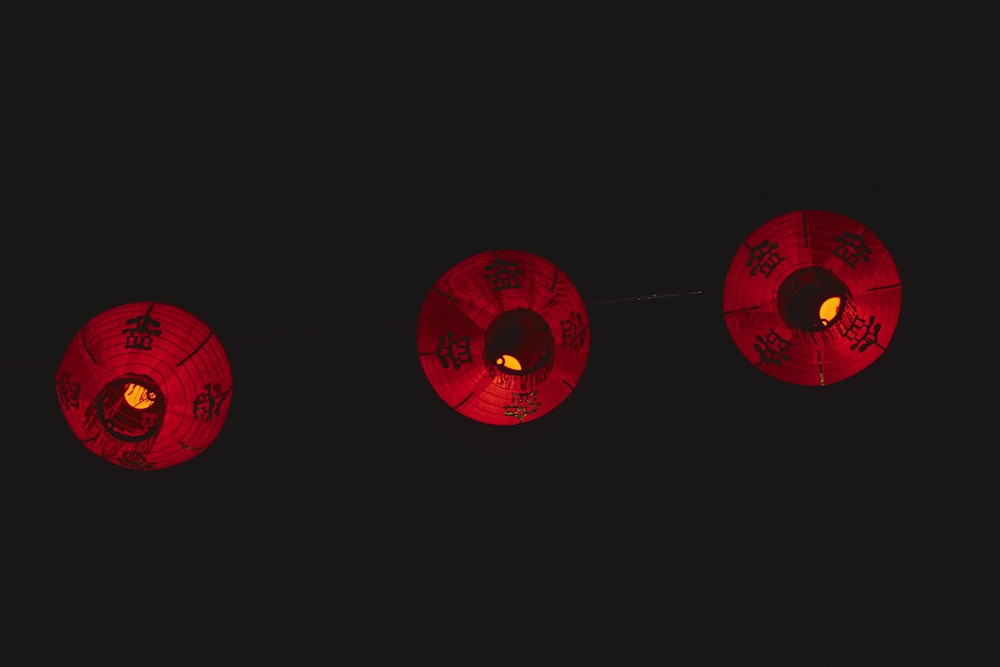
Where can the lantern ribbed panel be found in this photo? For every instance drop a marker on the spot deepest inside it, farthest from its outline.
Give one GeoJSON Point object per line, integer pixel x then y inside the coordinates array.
{"type": "Point", "coordinates": [804, 239]}
{"type": "Point", "coordinates": [454, 329]}
{"type": "Point", "coordinates": [157, 345]}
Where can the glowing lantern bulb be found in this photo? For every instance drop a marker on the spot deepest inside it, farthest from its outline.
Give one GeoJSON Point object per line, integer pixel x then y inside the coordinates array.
{"type": "Point", "coordinates": [829, 310]}
{"type": "Point", "coordinates": [138, 396]}
{"type": "Point", "coordinates": [509, 362]}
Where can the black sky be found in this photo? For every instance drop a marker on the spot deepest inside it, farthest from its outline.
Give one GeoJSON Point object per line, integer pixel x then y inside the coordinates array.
{"type": "Point", "coordinates": [679, 497]}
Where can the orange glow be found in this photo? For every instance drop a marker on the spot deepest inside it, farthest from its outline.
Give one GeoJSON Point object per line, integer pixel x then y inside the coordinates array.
{"type": "Point", "coordinates": [509, 362]}
{"type": "Point", "coordinates": [829, 310]}
{"type": "Point", "coordinates": [138, 396]}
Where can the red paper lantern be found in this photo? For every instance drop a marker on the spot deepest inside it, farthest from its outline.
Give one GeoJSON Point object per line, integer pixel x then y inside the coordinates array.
{"type": "Point", "coordinates": [145, 385]}
{"type": "Point", "coordinates": [503, 337]}
{"type": "Point", "coordinates": [812, 297]}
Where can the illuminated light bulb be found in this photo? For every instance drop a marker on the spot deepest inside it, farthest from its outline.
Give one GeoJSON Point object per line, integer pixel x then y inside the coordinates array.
{"type": "Point", "coordinates": [509, 362]}
{"type": "Point", "coordinates": [138, 396]}
{"type": "Point", "coordinates": [829, 310]}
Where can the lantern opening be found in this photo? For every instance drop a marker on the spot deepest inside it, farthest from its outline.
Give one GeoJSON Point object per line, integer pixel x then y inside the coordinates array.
{"type": "Point", "coordinates": [519, 342]}
{"type": "Point", "coordinates": [129, 408]}
{"type": "Point", "coordinates": [811, 299]}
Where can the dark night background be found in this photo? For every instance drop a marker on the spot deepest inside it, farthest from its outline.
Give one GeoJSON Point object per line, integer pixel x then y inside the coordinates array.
{"type": "Point", "coordinates": [301, 197]}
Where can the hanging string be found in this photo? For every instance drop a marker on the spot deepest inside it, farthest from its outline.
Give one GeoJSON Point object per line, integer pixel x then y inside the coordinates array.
{"type": "Point", "coordinates": [379, 325]}
{"type": "Point", "coordinates": [320, 332]}
{"type": "Point", "coordinates": [656, 296]}
{"type": "Point", "coordinates": [647, 297]}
